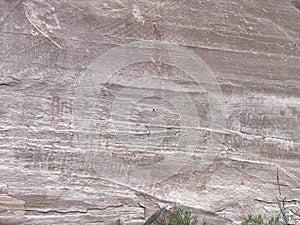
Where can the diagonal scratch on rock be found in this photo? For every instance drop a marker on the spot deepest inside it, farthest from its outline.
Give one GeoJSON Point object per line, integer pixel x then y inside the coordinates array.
{"type": "Point", "coordinates": [296, 4]}
{"type": "Point", "coordinates": [291, 175]}
{"type": "Point", "coordinates": [36, 27]}
{"type": "Point", "coordinates": [280, 28]}
{"type": "Point", "coordinates": [155, 216]}
{"type": "Point", "coordinates": [119, 1]}
{"type": "Point", "coordinates": [74, 6]}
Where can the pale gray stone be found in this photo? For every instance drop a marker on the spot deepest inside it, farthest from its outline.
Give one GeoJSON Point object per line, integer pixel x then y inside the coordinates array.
{"type": "Point", "coordinates": [69, 152]}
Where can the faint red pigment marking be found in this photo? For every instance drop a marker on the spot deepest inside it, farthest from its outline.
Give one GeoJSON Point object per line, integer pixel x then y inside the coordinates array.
{"type": "Point", "coordinates": [54, 106]}
{"type": "Point", "coordinates": [67, 107]}
{"type": "Point", "coordinates": [59, 107]}
{"type": "Point", "coordinates": [156, 31]}
{"type": "Point", "coordinates": [161, 52]}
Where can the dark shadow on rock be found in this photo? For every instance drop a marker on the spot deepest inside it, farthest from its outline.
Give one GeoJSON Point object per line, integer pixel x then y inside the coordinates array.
{"type": "Point", "coordinates": [296, 4]}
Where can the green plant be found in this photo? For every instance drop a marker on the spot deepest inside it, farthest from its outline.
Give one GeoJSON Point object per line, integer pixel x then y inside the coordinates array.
{"type": "Point", "coordinates": [259, 220]}
{"type": "Point", "coordinates": [254, 220]}
{"type": "Point", "coordinates": [285, 216]}
{"type": "Point", "coordinates": [273, 221]}
{"type": "Point", "coordinates": [182, 217]}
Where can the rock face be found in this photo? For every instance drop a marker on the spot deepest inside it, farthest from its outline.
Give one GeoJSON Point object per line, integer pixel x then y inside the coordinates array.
{"type": "Point", "coordinates": [113, 108]}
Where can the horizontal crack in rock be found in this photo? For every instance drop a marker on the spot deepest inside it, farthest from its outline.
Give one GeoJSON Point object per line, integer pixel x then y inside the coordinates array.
{"type": "Point", "coordinates": [71, 211]}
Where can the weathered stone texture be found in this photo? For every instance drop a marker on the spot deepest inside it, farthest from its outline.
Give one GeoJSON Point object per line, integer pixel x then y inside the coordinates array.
{"type": "Point", "coordinates": [252, 47]}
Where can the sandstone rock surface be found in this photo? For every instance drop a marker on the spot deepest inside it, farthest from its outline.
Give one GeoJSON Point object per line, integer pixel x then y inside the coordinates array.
{"type": "Point", "coordinates": [112, 108]}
